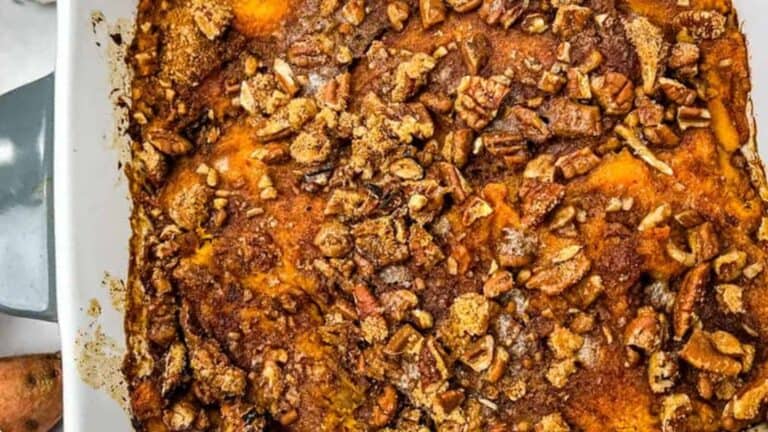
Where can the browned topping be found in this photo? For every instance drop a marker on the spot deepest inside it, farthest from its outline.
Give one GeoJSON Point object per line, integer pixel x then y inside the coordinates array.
{"type": "Point", "coordinates": [450, 215]}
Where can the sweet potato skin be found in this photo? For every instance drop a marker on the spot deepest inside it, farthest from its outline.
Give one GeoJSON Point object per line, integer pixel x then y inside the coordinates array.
{"type": "Point", "coordinates": [30, 393]}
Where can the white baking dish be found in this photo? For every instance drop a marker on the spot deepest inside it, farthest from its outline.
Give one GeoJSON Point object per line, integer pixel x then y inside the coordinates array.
{"type": "Point", "coordinates": [91, 198]}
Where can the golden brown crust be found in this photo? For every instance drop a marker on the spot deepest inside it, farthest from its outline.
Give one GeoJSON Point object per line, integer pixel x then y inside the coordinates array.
{"type": "Point", "coordinates": [444, 215]}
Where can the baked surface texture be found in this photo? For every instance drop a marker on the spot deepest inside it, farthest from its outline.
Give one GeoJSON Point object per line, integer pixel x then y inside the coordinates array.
{"type": "Point", "coordinates": [444, 215]}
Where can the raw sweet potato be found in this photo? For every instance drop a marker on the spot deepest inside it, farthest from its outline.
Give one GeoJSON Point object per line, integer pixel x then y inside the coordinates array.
{"type": "Point", "coordinates": [30, 393]}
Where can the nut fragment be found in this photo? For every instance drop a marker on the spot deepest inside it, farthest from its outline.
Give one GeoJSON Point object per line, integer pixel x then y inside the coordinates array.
{"type": "Point", "coordinates": [677, 92]}
{"type": "Point", "coordinates": [354, 12]}
{"type": "Point", "coordinates": [632, 139]}
{"type": "Point", "coordinates": [476, 50]}
{"type": "Point", "coordinates": [683, 54]}
{"type": "Point", "coordinates": [309, 148]}
{"type": "Point", "coordinates": [478, 100]}
{"type": "Point", "coordinates": [746, 405]}
{"type": "Point", "coordinates": [211, 18]}
{"type": "Point", "coordinates": [333, 239]}
{"type": "Point", "coordinates": [577, 163]}
{"type": "Point", "coordinates": [449, 400]}
{"type": "Point", "coordinates": [385, 408]}
{"type": "Point", "coordinates": [704, 242]}
{"type": "Point", "coordinates": [476, 209]}
{"type": "Point", "coordinates": [462, 6]}
{"type": "Point", "coordinates": [398, 12]}
{"type": "Point", "coordinates": [534, 23]}
{"type": "Point", "coordinates": [407, 169]}
{"type": "Point", "coordinates": [479, 355]}
{"type": "Point", "coordinates": [648, 41]}
{"type": "Point", "coordinates": [703, 24]}
{"type": "Point", "coordinates": [662, 371]}
{"type": "Point", "coordinates": [470, 314]}
{"type": "Point", "coordinates": [655, 217]}
{"type": "Point", "coordinates": [552, 423]}
{"type": "Point", "coordinates": [167, 142]}
{"type": "Point", "coordinates": [285, 76]}
{"type": "Point", "coordinates": [578, 86]}
{"type": "Point", "coordinates": [646, 331]}
{"type": "Point", "coordinates": [728, 266]}
{"type": "Point", "coordinates": [614, 92]}
{"type": "Point", "coordinates": [457, 146]}
{"type": "Point", "coordinates": [690, 293]}
{"type": "Point", "coordinates": [673, 408]}
{"type": "Point", "coordinates": [691, 117]}
{"type": "Point", "coordinates": [432, 12]}
{"type": "Point", "coordinates": [570, 20]}
{"type": "Point", "coordinates": [499, 283]}
{"type": "Point", "coordinates": [515, 248]}
{"type": "Point", "coordinates": [564, 343]}
{"type": "Point", "coordinates": [701, 353]}
{"type": "Point", "coordinates": [730, 298]}
{"type": "Point", "coordinates": [555, 279]}
{"type": "Point", "coordinates": [411, 75]}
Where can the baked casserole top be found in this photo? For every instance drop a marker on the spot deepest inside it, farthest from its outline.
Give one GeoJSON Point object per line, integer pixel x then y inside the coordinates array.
{"type": "Point", "coordinates": [444, 215]}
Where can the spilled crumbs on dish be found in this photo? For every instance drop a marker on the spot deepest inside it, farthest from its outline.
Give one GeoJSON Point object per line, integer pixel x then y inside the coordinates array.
{"type": "Point", "coordinates": [99, 362]}
{"type": "Point", "coordinates": [116, 287]}
{"type": "Point", "coordinates": [94, 308]}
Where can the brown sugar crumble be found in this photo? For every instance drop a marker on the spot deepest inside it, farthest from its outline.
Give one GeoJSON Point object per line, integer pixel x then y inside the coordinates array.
{"type": "Point", "coordinates": [444, 215]}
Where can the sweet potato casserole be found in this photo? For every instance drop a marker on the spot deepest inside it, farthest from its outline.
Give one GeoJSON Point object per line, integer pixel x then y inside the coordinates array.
{"type": "Point", "coordinates": [445, 215]}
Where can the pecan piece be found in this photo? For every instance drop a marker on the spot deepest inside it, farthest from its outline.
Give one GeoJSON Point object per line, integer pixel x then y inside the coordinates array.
{"type": "Point", "coordinates": [677, 92]}
{"type": "Point", "coordinates": [538, 199]}
{"type": "Point", "coordinates": [423, 249]}
{"type": "Point", "coordinates": [555, 279]}
{"type": "Point", "coordinates": [570, 20]}
{"type": "Point", "coordinates": [503, 12]}
{"type": "Point", "coordinates": [398, 12]}
{"type": "Point", "coordinates": [333, 240]}
{"type": "Point", "coordinates": [683, 54]}
{"type": "Point", "coordinates": [515, 249]}
{"type": "Point", "coordinates": [168, 142]}
{"type": "Point", "coordinates": [701, 353]}
{"type": "Point", "coordinates": [457, 146]}
{"type": "Point", "coordinates": [728, 266]}
{"type": "Point", "coordinates": [704, 242]}
{"type": "Point", "coordinates": [411, 75]}
{"type": "Point", "coordinates": [432, 12]}
{"type": "Point", "coordinates": [386, 407]}
{"type": "Point", "coordinates": [479, 354]}
{"type": "Point", "coordinates": [189, 207]}
{"type": "Point", "coordinates": [577, 163]}
{"type": "Point", "coordinates": [569, 119]}
{"type": "Point", "coordinates": [528, 123]}
{"type": "Point", "coordinates": [211, 18]}
{"type": "Point", "coordinates": [311, 148]}
{"type": "Point", "coordinates": [350, 204]}
{"type": "Point", "coordinates": [478, 99]}
{"type": "Point", "coordinates": [690, 292]}
{"type": "Point", "coordinates": [703, 24]}
{"type": "Point", "coordinates": [614, 92]}
{"type": "Point", "coordinates": [507, 146]}
{"type": "Point", "coordinates": [647, 331]}
{"type": "Point", "coordinates": [578, 86]}
{"type": "Point", "coordinates": [462, 6]}
{"type": "Point", "coordinates": [746, 404]}
{"type": "Point", "coordinates": [500, 282]}
{"type": "Point", "coordinates": [662, 371]}
{"type": "Point", "coordinates": [476, 50]}
{"type": "Point", "coordinates": [552, 423]}
{"type": "Point", "coordinates": [470, 314]}
{"type": "Point", "coordinates": [377, 239]}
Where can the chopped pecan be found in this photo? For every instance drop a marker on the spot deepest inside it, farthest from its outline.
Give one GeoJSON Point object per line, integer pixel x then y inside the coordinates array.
{"type": "Point", "coordinates": [661, 135]}
{"type": "Point", "coordinates": [730, 298]}
{"type": "Point", "coordinates": [500, 282]}
{"type": "Point", "coordinates": [614, 92]}
{"type": "Point", "coordinates": [677, 92]}
{"type": "Point", "coordinates": [632, 138]}
{"type": "Point", "coordinates": [335, 93]}
{"type": "Point", "coordinates": [154, 163]}
{"type": "Point", "coordinates": [569, 119]}
{"type": "Point", "coordinates": [377, 240]}
{"type": "Point", "coordinates": [551, 82]}
{"type": "Point", "coordinates": [457, 146]}
{"type": "Point", "coordinates": [285, 77]}
{"type": "Point", "coordinates": [479, 354]}
{"type": "Point", "coordinates": [354, 12]}
{"type": "Point", "coordinates": [647, 331]}
{"type": "Point", "coordinates": [436, 102]}
{"type": "Point", "coordinates": [674, 408]}
{"type": "Point", "coordinates": [478, 99]}
{"type": "Point", "coordinates": [174, 363]}
{"type": "Point", "coordinates": [287, 120]}
{"type": "Point", "coordinates": [703, 24]}
{"type": "Point", "coordinates": [449, 400]}
{"type": "Point", "coordinates": [683, 54]}
{"type": "Point", "coordinates": [454, 181]}
{"type": "Point", "coordinates": [541, 168]}
{"type": "Point", "coordinates": [180, 416]}
{"type": "Point", "coordinates": [432, 12]}
{"type": "Point", "coordinates": [398, 303]}
{"type": "Point", "coordinates": [577, 163]}
{"type": "Point", "coordinates": [350, 204]}
{"type": "Point", "coordinates": [168, 142]}
{"type": "Point", "coordinates": [689, 294]}
{"type": "Point", "coordinates": [704, 242]}
{"type": "Point", "coordinates": [515, 248]}
{"type": "Point", "coordinates": [534, 23]}
{"type": "Point", "coordinates": [578, 86]}
{"type": "Point", "coordinates": [557, 278]}
{"type": "Point", "coordinates": [407, 169]}
{"type": "Point", "coordinates": [701, 353]}
{"type": "Point", "coordinates": [729, 265]}
{"type": "Point", "coordinates": [746, 404]}
{"type": "Point", "coordinates": [211, 367]}
{"type": "Point", "coordinates": [311, 51]}
{"type": "Point", "coordinates": [559, 372]}
{"type": "Point", "coordinates": [333, 239]}
{"type": "Point", "coordinates": [528, 124]}
{"type": "Point", "coordinates": [462, 6]}
{"type": "Point", "coordinates": [570, 20]}
{"type": "Point", "coordinates": [476, 50]}
{"type": "Point", "coordinates": [411, 75]}
{"type": "Point", "coordinates": [538, 199]}
{"type": "Point", "coordinates": [503, 12]}
{"type": "Point", "coordinates": [655, 217]}
{"type": "Point", "coordinates": [405, 340]}
{"type": "Point", "coordinates": [498, 366]}
{"type": "Point", "coordinates": [649, 113]}
{"type": "Point", "coordinates": [398, 12]}
{"type": "Point", "coordinates": [662, 371]}
{"type": "Point", "coordinates": [259, 94]}
{"type": "Point", "coordinates": [367, 305]}
{"type": "Point", "coordinates": [386, 407]}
